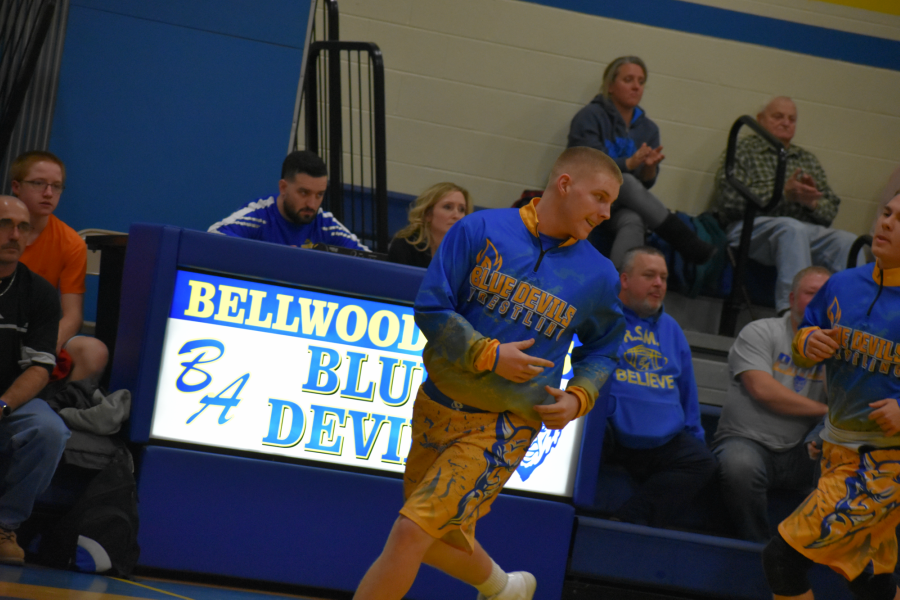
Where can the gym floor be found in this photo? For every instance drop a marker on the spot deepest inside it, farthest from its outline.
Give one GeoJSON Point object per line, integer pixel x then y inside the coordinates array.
{"type": "Point", "coordinates": [42, 583]}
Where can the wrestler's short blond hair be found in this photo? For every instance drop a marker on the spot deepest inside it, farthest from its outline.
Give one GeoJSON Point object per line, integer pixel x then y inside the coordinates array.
{"type": "Point", "coordinates": [579, 160]}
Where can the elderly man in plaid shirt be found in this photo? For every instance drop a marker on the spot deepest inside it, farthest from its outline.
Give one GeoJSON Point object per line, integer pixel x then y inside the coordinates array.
{"type": "Point", "coordinates": [796, 233]}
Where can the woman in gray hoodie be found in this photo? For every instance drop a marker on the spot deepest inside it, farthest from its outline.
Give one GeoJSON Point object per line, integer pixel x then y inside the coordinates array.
{"type": "Point", "coordinates": [614, 123]}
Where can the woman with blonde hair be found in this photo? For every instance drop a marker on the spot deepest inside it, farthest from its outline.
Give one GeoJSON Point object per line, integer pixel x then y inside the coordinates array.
{"type": "Point", "coordinates": [430, 217]}
{"type": "Point", "coordinates": [614, 123]}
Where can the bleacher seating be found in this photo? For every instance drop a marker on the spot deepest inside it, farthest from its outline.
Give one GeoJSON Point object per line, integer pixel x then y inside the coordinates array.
{"type": "Point", "coordinates": [681, 562]}
{"type": "Point", "coordinates": [707, 514]}
{"type": "Point", "coordinates": [698, 553]}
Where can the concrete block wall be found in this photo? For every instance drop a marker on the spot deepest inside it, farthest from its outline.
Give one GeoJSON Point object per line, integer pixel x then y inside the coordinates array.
{"type": "Point", "coordinates": [481, 92]}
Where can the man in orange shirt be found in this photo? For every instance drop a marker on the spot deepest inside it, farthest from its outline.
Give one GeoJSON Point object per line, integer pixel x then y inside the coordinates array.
{"type": "Point", "coordinates": [59, 255]}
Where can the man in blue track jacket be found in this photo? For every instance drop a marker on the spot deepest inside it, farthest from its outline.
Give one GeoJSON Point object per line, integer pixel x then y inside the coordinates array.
{"type": "Point", "coordinates": [294, 217]}
{"type": "Point", "coordinates": [655, 414]}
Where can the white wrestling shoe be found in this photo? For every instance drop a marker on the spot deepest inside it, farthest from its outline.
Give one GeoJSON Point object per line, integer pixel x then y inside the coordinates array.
{"type": "Point", "coordinates": [519, 586]}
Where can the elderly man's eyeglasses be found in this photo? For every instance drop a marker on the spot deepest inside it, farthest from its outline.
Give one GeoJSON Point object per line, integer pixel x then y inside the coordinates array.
{"type": "Point", "coordinates": [7, 226]}
{"type": "Point", "coordinates": [40, 185]}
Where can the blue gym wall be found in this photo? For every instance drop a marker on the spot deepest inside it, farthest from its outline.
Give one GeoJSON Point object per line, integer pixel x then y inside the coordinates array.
{"type": "Point", "coordinates": [174, 112]}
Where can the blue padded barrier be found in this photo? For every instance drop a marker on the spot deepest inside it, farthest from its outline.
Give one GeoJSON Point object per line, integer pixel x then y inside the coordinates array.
{"type": "Point", "coordinates": [309, 526]}
{"type": "Point", "coordinates": [585, 488]}
{"type": "Point", "coordinates": [681, 562]}
{"type": "Point", "coordinates": [147, 286]}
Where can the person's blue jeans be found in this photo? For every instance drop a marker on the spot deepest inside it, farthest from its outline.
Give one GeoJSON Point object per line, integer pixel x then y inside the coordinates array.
{"type": "Point", "coordinates": [669, 478]}
{"type": "Point", "coordinates": [791, 246]}
{"type": "Point", "coordinates": [32, 440]}
{"type": "Point", "coordinates": [748, 470]}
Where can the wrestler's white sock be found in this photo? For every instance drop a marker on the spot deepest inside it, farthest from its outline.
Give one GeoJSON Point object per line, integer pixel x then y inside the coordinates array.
{"type": "Point", "coordinates": [495, 582]}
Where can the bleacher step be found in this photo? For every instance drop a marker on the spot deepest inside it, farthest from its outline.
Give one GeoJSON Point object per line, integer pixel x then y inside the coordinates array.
{"type": "Point", "coordinates": [708, 342]}
{"type": "Point", "coordinates": [711, 375]}
{"type": "Point", "coordinates": [681, 561]}
{"type": "Point", "coordinates": [702, 314]}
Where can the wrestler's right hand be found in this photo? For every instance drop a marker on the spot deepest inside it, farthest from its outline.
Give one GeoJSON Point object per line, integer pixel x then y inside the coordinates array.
{"type": "Point", "coordinates": [515, 365]}
{"type": "Point", "coordinates": [821, 344]}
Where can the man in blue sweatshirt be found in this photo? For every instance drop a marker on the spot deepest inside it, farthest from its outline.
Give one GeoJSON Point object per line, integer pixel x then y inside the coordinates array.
{"type": "Point", "coordinates": [655, 414]}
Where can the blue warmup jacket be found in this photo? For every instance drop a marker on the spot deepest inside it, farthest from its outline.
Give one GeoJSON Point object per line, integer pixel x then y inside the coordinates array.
{"type": "Point", "coordinates": [654, 395]}
{"type": "Point", "coordinates": [600, 125]}
{"type": "Point", "coordinates": [867, 366]}
{"type": "Point", "coordinates": [490, 283]}
{"type": "Point", "coordinates": [260, 220]}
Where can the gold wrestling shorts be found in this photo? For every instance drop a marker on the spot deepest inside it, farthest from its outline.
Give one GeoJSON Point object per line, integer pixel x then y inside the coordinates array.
{"type": "Point", "coordinates": [849, 519]}
{"type": "Point", "coordinates": [460, 459]}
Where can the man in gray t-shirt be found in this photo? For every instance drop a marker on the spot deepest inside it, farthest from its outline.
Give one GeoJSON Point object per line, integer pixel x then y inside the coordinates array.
{"type": "Point", "coordinates": [772, 404]}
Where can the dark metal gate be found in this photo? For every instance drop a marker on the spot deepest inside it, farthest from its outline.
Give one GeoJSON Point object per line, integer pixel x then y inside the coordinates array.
{"type": "Point", "coordinates": [344, 122]}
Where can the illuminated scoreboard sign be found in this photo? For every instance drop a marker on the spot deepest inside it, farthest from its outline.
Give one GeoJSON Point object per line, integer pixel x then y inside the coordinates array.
{"type": "Point", "coordinates": [308, 375]}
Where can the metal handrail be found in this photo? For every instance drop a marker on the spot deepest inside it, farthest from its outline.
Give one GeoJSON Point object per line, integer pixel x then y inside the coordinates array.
{"type": "Point", "coordinates": [861, 241]}
{"type": "Point", "coordinates": [776, 144]}
{"type": "Point", "coordinates": [332, 21]}
{"type": "Point", "coordinates": [754, 205]}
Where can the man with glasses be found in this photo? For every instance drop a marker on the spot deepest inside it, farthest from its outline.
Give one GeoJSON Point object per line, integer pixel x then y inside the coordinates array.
{"type": "Point", "coordinates": [58, 254]}
{"type": "Point", "coordinates": [32, 436]}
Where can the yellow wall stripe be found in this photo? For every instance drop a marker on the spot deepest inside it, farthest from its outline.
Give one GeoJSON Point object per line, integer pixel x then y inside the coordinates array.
{"type": "Point", "coordinates": [890, 7]}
